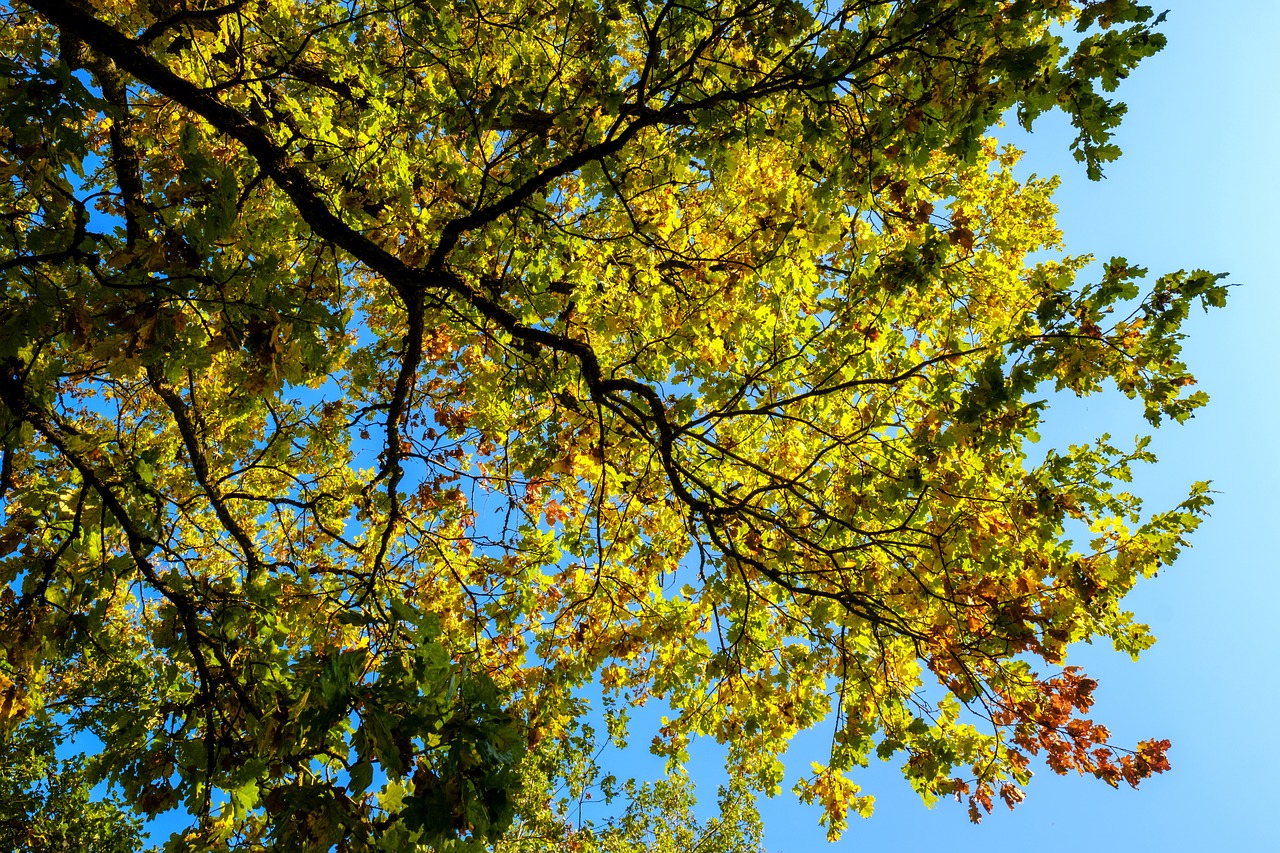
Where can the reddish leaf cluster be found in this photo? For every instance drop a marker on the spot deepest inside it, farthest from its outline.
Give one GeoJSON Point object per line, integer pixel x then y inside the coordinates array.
{"type": "Point", "coordinates": [1046, 720]}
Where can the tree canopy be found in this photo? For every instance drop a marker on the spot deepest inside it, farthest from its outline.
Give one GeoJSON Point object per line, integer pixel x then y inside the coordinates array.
{"type": "Point", "coordinates": [398, 394]}
{"type": "Point", "coordinates": [46, 804]}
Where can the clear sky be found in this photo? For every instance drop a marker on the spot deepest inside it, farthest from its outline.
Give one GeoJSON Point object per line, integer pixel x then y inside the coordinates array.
{"type": "Point", "coordinates": [1196, 188]}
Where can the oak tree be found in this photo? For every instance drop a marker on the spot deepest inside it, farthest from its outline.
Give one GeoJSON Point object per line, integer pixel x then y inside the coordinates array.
{"type": "Point", "coordinates": [398, 394]}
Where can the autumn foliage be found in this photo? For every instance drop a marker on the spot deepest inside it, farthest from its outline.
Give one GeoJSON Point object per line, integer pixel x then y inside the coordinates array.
{"type": "Point", "coordinates": [396, 396]}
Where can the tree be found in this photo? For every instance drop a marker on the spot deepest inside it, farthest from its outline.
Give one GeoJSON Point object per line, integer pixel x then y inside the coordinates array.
{"type": "Point", "coordinates": [45, 802]}
{"type": "Point", "coordinates": [382, 378]}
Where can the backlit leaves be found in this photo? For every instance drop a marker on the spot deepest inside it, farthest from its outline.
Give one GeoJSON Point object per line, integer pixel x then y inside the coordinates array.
{"type": "Point", "coordinates": [389, 390]}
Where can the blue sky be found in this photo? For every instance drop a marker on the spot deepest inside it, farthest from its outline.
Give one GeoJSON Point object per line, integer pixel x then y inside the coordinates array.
{"type": "Point", "coordinates": [1196, 188]}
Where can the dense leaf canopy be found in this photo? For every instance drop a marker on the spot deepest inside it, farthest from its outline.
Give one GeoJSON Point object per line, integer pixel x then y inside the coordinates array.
{"type": "Point", "coordinates": [397, 394]}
